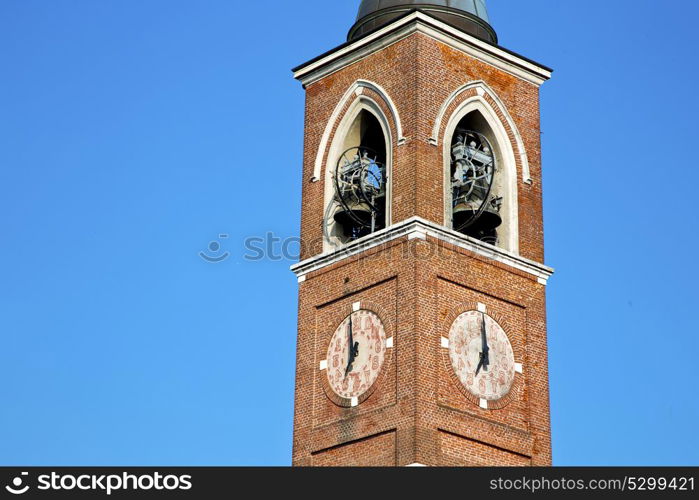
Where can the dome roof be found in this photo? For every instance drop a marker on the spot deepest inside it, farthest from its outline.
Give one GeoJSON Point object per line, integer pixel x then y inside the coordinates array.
{"type": "Point", "coordinates": [470, 16]}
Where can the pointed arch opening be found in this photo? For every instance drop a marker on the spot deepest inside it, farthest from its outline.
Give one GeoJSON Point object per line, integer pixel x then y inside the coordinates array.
{"type": "Point", "coordinates": [480, 176]}
{"type": "Point", "coordinates": [358, 172]}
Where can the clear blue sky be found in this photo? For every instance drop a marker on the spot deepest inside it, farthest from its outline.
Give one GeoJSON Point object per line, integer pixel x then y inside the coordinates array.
{"type": "Point", "coordinates": [133, 133]}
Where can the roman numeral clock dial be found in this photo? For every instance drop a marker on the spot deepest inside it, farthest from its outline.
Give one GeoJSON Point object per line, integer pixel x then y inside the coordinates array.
{"type": "Point", "coordinates": [356, 354]}
{"type": "Point", "coordinates": [482, 359]}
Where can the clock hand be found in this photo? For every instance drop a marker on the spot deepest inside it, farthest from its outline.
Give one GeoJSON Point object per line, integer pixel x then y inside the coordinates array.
{"type": "Point", "coordinates": [353, 349]}
{"type": "Point", "coordinates": [480, 364]}
{"type": "Point", "coordinates": [349, 354]}
{"type": "Point", "coordinates": [485, 355]}
{"type": "Point", "coordinates": [354, 352]}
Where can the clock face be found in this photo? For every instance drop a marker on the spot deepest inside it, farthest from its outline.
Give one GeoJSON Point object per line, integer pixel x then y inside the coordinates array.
{"type": "Point", "coordinates": [482, 356]}
{"type": "Point", "coordinates": [352, 370]}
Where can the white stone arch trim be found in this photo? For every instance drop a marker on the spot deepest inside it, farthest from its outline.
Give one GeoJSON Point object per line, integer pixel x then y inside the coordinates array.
{"type": "Point", "coordinates": [510, 211]}
{"type": "Point", "coordinates": [482, 89]}
{"type": "Point", "coordinates": [360, 103]}
{"type": "Point", "coordinates": [355, 90]}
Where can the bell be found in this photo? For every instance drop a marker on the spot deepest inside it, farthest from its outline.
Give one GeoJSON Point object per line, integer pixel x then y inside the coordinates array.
{"type": "Point", "coordinates": [357, 213]}
{"type": "Point", "coordinates": [487, 222]}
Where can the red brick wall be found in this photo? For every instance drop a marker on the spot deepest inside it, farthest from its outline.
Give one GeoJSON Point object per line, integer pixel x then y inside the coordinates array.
{"type": "Point", "coordinates": [375, 451]}
{"type": "Point", "coordinates": [417, 413]}
{"type": "Point", "coordinates": [419, 74]}
{"type": "Point", "coordinates": [458, 451]}
{"type": "Point", "coordinates": [380, 277]}
{"type": "Point", "coordinates": [418, 285]}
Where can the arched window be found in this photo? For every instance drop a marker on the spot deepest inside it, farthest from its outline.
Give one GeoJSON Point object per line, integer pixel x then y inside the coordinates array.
{"type": "Point", "coordinates": [357, 187]}
{"type": "Point", "coordinates": [480, 180]}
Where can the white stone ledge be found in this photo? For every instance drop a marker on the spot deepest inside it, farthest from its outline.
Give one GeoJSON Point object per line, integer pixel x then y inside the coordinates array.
{"type": "Point", "coordinates": [415, 225]}
{"type": "Point", "coordinates": [492, 55]}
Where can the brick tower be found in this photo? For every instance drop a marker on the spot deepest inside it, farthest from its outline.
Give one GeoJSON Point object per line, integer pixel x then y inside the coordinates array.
{"type": "Point", "coordinates": [422, 322]}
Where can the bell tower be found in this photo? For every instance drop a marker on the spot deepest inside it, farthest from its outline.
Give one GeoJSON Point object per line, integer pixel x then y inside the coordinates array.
{"type": "Point", "coordinates": [422, 321]}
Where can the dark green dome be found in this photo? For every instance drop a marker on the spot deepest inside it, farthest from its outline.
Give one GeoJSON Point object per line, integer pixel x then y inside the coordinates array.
{"type": "Point", "coordinates": [470, 16]}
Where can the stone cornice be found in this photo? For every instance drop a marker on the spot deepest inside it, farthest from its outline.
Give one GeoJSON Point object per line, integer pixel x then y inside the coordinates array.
{"type": "Point", "coordinates": [418, 228]}
{"type": "Point", "coordinates": [415, 22]}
